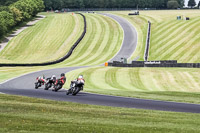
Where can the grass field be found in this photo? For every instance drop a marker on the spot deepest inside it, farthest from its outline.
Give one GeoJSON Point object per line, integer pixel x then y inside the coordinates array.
{"type": "Point", "coordinates": [47, 40]}
{"type": "Point", "coordinates": [22, 114]}
{"type": "Point", "coordinates": [170, 39]}
{"type": "Point", "coordinates": [102, 41]}
{"type": "Point", "coordinates": [170, 84]}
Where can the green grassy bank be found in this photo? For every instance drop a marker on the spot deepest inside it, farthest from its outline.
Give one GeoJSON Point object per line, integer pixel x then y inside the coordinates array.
{"type": "Point", "coordinates": [22, 114]}
{"type": "Point", "coordinates": [171, 39]}
{"type": "Point", "coordinates": [171, 84]}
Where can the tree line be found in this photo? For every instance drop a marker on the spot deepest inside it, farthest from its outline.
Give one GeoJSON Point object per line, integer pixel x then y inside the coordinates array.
{"type": "Point", "coordinates": [192, 3]}
{"type": "Point", "coordinates": [159, 4]}
{"type": "Point", "coordinates": [14, 12]}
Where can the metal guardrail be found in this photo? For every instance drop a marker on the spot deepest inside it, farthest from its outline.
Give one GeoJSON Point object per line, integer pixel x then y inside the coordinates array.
{"type": "Point", "coordinates": [56, 61]}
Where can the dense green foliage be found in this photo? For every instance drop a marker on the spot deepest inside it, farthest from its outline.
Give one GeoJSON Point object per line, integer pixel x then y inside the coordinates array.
{"type": "Point", "coordinates": [59, 4]}
{"type": "Point", "coordinates": [199, 4]}
{"type": "Point", "coordinates": [13, 13]}
{"type": "Point", "coordinates": [191, 3]}
{"type": "Point", "coordinates": [172, 4]}
{"type": "Point", "coordinates": [7, 2]}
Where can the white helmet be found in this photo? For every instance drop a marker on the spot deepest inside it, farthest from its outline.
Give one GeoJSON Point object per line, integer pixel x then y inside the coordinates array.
{"type": "Point", "coordinates": [53, 76]}
{"type": "Point", "coordinates": [80, 77]}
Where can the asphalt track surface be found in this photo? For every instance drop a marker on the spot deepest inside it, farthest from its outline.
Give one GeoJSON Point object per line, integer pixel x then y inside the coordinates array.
{"type": "Point", "coordinates": [24, 85]}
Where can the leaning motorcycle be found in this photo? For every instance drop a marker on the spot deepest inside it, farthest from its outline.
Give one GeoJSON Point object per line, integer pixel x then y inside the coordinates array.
{"type": "Point", "coordinates": [75, 87]}
{"type": "Point", "coordinates": [58, 85]}
{"type": "Point", "coordinates": [49, 83]}
{"type": "Point", "coordinates": [39, 82]}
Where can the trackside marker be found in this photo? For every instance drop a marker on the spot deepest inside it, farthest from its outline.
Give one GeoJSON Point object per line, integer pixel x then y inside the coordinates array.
{"type": "Point", "coordinates": [106, 64]}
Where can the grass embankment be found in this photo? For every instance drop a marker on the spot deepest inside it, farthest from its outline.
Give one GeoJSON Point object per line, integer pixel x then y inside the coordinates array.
{"type": "Point", "coordinates": [102, 41]}
{"type": "Point", "coordinates": [47, 40]}
{"type": "Point", "coordinates": [176, 40]}
{"type": "Point", "coordinates": [171, 39]}
{"type": "Point", "coordinates": [171, 84]}
{"type": "Point", "coordinates": [52, 38]}
{"type": "Point", "coordinates": [22, 114]}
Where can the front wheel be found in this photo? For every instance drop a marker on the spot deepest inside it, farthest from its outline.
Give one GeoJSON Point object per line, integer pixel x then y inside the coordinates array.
{"type": "Point", "coordinates": [47, 86]}
{"type": "Point", "coordinates": [37, 85]}
{"type": "Point", "coordinates": [76, 91]}
{"type": "Point", "coordinates": [58, 87]}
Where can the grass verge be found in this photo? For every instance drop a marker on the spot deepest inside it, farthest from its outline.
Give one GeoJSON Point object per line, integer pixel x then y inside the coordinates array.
{"type": "Point", "coordinates": [22, 114]}
{"type": "Point", "coordinates": [170, 84]}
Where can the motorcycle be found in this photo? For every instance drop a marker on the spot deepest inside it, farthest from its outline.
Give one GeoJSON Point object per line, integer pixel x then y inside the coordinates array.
{"type": "Point", "coordinates": [49, 83]}
{"type": "Point", "coordinates": [58, 85]}
{"type": "Point", "coordinates": [76, 87]}
{"type": "Point", "coordinates": [39, 82]}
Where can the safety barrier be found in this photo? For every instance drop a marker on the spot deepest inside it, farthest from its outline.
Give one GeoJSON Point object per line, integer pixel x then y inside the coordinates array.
{"type": "Point", "coordinates": [56, 61]}
{"type": "Point", "coordinates": [146, 54]}
{"type": "Point", "coordinates": [168, 63]}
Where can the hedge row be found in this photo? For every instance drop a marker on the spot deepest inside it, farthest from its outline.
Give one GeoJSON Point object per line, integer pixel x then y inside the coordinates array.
{"type": "Point", "coordinates": [17, 13]}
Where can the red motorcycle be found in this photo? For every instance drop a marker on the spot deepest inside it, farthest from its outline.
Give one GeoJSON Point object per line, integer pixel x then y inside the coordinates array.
{"type": "Point", "coordinates": [39, 82]}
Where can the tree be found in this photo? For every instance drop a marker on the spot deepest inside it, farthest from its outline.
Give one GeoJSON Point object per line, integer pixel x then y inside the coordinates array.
{"type": "Point", "coordinates": [191, 3]}
{"type": "Point", "coordinates": [17, 15]}
{"type": "Point", "coordinates": [199, 4]}
{"type": "Point", "coordinates": [173, 4]}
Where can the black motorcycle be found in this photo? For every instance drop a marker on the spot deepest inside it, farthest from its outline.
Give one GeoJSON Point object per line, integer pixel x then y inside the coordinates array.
{"type": "Point", "coordinates": [39, 82]}
{"type": "Point", "coordinates": [49, 83]}
{"type": "Point", "coordinates": [75, 87]}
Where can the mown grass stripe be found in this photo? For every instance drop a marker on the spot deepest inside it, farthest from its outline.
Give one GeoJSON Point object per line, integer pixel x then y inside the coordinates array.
{"type": "Point", "coordinates": [111, 79]}
{"type": "Point", "coordinates": [167, 45]}
{"type": "Point", "coordinates": [164, 28]}
{"type": "Point", "coordinates": [134, 76]}
{"type": "Point", "coordinates": [179, 43]}
{"type": "Point", "coordinates": [84, 44]}
{"type": "Point", "coordinates": [159, 27]}
{"type": "Point", "coordinates": [39, 42]}
{"type": "Point", "coordinates": [113, 44]}
{"type": "Point", "coordinates": [100, 43]}
{"type": "Point", "coordinates": [92, 44]}
{"type": "Point", "coordinates": [99, 79]}
{"type": "Point", "coordinates": [173, 31]}
{"type": "Point", "coordinates": [188, 47]}
{"type": "Point", "coordinates": [168, 34]}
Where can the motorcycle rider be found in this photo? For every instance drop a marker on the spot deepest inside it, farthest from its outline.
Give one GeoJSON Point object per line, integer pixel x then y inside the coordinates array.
{"type": "Point", "coordinates": [40, 81]}
{"type": "Point", "coordinates": [50, 81]}
{"type": "Point", "coordinates": [62, 79]}
{"type": "Point", "coordinates": [74, 83]}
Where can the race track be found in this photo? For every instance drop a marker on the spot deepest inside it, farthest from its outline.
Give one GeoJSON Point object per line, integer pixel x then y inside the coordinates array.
{"type": "Point", "coordinates": [24, 85]}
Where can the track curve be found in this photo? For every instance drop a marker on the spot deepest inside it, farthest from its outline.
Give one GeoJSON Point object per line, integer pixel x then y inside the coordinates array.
{"type": "Point", "coordinates": [24, 85]}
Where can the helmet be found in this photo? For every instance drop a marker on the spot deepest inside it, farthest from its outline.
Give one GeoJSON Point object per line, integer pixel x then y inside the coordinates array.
{"type": "Point", "coordinates": [53, 76]}
{"type": "Point", "coordinates": [81, 76]}
{"type": "Point", "coordinates": [62, 74]}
